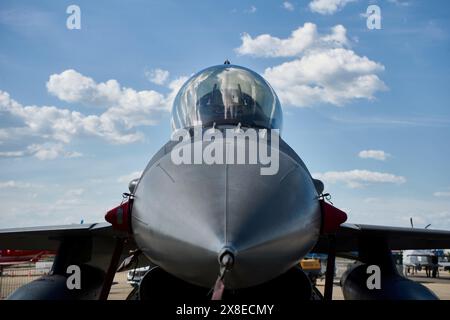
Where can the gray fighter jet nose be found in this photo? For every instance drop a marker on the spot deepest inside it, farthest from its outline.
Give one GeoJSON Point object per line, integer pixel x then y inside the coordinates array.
{"type": "Point", "coordinates": [186, 216]}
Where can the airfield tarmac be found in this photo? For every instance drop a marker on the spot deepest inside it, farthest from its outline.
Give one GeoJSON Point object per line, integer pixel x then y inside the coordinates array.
{"type": "Point", "coordinates": [121, 289]}
{"type": "Point", "coordinates": [440, 286]}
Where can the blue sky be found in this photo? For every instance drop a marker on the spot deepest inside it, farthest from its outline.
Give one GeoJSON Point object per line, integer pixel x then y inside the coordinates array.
{"type": "Point", "coordinates": [81, 110]}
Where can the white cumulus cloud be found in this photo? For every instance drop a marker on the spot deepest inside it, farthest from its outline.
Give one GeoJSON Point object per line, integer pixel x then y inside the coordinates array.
{"type": "Point", "coordinates": [335, 76]}
{"type": "Point", "coordinates": [12, 184]}
{"type": "Point", "coordinates": [288, 6]}
{"type": "Point", "coordinates": [54, 127]}
{"type": "Point", "coordinates": [50, 151]}
{"type": "Point", "coordinates": [72, 86]}
{"type": "Point", "coordinates": [128, 177]}
{"type": "Point", "coordinates": [157, 76]}
{"type": "Point", "coordinates": [266, 45]}
{"type": "Point", "coordinates": [45, 151]}
{"type": "Point", "coordinates": [11, 154]}
{"type": "Point", "coordinates": [61, 125]}
{"type": "Point", "coordinates": [323, 70]}
{"type": "Point", "coordinates": [328, 6]}
{"type": "Point", "coordinates": [359, 178]}
{"type": "Point", "coordinates": [442, 194]}
{"type": "Point", "coordinates": [374, 154]}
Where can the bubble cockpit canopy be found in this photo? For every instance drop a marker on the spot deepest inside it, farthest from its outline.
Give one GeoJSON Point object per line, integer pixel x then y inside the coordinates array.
{"type": "Point", "coordinates": [226, 94]}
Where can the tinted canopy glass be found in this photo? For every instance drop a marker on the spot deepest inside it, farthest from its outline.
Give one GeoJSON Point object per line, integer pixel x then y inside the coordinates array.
{"type": "Point", "coordinates": [226, 94]}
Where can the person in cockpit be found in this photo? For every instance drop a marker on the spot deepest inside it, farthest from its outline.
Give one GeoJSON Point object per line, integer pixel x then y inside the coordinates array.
{"type": "Point", "coordinates": [227, 95]}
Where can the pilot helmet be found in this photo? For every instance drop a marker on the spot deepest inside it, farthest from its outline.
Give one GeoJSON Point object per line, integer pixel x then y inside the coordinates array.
{"type": "Point", "coordinates": [226, 95]}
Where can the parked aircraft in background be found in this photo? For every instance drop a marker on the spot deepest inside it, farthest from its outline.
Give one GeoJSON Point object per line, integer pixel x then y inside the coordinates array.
{"type": "Point", "coordinates": [13, 257]}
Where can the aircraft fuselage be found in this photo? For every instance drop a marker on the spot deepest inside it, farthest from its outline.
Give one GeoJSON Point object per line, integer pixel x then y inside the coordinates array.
{"type": "Point", "coordinates": [186, 215]}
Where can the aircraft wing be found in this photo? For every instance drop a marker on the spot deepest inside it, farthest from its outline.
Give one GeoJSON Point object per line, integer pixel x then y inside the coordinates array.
{"type": "Point", "coordinates": [349, 236]}
{"type": "Point", "coordinates": [49, 237]}
{"type": "Point", "coordinates": [96, 248]}
{"type": "Point", "coordinates": [102, 236]}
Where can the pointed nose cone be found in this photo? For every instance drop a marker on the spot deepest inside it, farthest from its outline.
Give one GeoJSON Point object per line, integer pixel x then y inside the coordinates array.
{"type": "Point", "coordinates": [271, 221]}
{"type": "Point", "coordinates": [185, 216]}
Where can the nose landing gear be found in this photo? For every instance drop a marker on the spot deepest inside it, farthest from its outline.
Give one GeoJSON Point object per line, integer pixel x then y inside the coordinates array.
{"type": "Point", "coordinates": [226, 261]}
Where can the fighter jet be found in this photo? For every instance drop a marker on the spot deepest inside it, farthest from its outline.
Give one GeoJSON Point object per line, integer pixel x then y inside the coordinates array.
{"type": "Point", "coordinates": [217, 219]}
